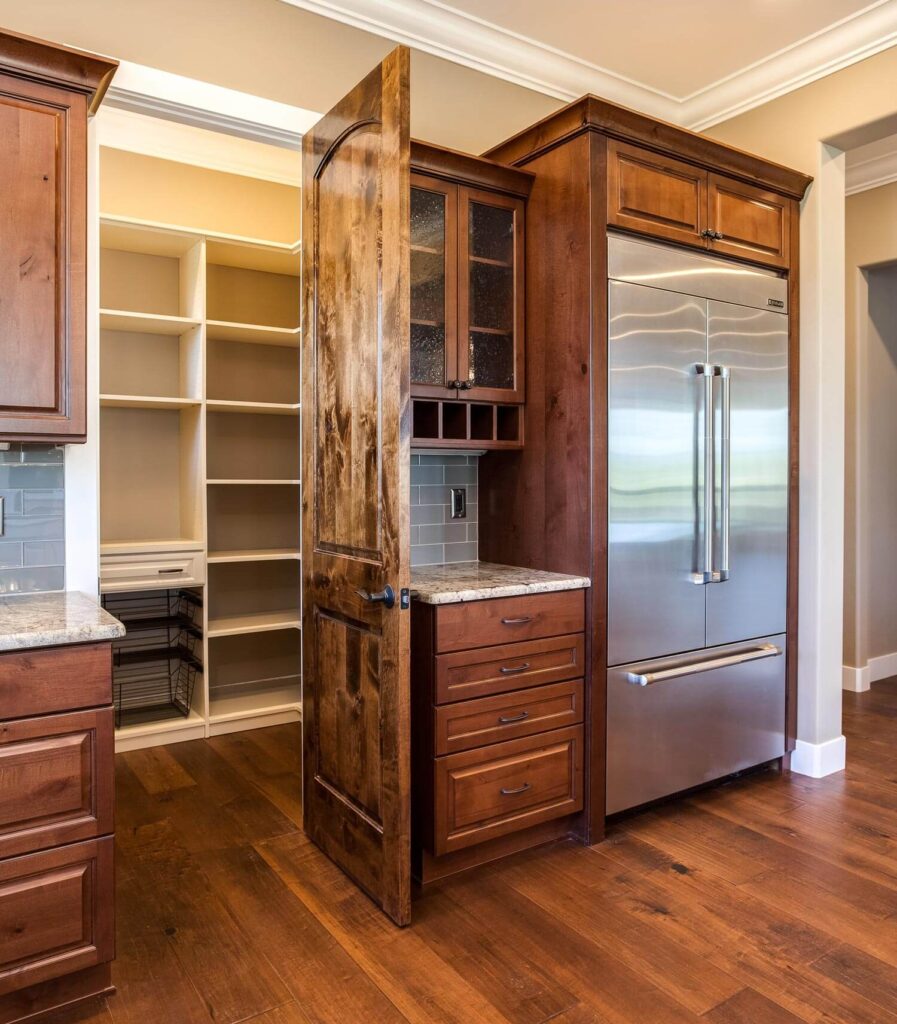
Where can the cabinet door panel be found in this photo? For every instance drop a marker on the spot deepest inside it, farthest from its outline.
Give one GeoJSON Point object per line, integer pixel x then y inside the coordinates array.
{"type": "Point", "coordinates": [754, 224]}
{"type": "Point", "coordinates": [655, 194]}
{"type": "Point", "coordinates": [55, 913]}
{"type": "Point", "coordinates": [42, 263]}
{"type": "Point", "coordinates": [490, 326]}
{"type": "Point", "coordinates": [434, 287]}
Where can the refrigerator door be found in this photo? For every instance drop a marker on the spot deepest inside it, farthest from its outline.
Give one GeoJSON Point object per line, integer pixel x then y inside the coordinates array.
{"type": "Point", "coordinates": [749, 347]}
{"type": "Point", "coordinates": [656, 510]}
{"type": "Point", "coordinates": [678, 722]}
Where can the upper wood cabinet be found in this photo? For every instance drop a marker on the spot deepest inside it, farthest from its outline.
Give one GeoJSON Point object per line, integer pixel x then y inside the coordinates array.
{"type": "Point", "coordinates": [748, 221]}
{"type": "Point", "coordinates": [653, 193]}
{"type": "Point", "coordinates": [667, 198]}
{"type": "Point", "coordinates": [467, 269]}
{"type": "Point", "coordinates": [46, 94]}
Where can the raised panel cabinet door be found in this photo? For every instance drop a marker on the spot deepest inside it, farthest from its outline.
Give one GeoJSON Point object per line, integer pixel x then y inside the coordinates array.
{"type": "Point", "coordinates": [56, 780]}
{"type": "Point", "coordinates": [434, 287]}
{"type": "Point", "coordinates": [655, 194]}
{"type": "Point", "coordinates": [752, 223]}
{"type": "Point", "coordinates": [43, 208]}
{"type": "Point", "coordinates": [56, 913]}
{"type": "Point", "coordinates": [355, 515]}
{"type": "Point", "coordinates": [490, 296]}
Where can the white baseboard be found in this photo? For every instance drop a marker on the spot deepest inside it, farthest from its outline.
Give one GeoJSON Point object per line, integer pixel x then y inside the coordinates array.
{"type": "Point", "coordinates": [855, 679]}
{"type": "Point", "coordinates": [858, 680]}
{"type": "Point", "coordinates": [819, 759]}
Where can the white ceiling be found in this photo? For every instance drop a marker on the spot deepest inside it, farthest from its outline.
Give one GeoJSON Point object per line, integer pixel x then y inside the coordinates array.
{"type": "Point", "coordinates": [679, 47]}
{"type": "Point", "coordinates": [693, 62]}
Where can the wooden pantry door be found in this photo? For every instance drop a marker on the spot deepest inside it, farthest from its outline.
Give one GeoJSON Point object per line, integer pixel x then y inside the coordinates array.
{"type": "Point", "coordinates": [356, 440]}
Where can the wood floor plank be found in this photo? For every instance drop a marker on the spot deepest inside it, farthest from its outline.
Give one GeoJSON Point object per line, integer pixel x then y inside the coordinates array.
{"type": "Point", "coordinates": [234, 979]}
{"type": "Point", "coordinates": [290, 1013]}
{"type": "Point", "coordinates": [321, 977]}
{"type": "Point", "coordinates": [412, 976]}
{"type": "Point", "coordinates": [158, 771]}
{"type": "Point", "coordinates": [749, 1007]}
{"type": "Point", "coordinates": [268, 765]}
{"type": "Point", "coordinates": [516, 985]}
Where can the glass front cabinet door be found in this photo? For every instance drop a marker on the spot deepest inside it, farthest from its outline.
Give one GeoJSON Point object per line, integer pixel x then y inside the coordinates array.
{"type": "Point", "coordinates": [466, 292]}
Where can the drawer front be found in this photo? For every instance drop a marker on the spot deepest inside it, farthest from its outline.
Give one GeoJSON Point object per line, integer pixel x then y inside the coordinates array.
{"type": "Point", "coordinates": [55, 913]}
{"type": "Point", "coordinates": [467, 674]}
{"type": "Point", "coordinates": [655, 194]}
{"type": "Point", "coordinates": [481, 794]}
{"type": "Point", "coordinates": [56, 780]}
{"type": "Point", "coordinates": [151, 571]}
{"type": "Point", "coordinates": [55, 679]}
{"type": "Point", "coordinates": [504, 620]}
{"type": "Point", "coordinates": [507, 716]}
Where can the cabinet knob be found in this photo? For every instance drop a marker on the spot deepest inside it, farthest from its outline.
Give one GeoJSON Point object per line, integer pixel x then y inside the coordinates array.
{"type": "Point", "coordinates": [465, 385]}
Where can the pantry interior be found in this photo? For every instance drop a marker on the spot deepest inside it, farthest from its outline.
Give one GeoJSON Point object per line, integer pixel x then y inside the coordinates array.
{"type": "Point", "coordinates": [199, 377]}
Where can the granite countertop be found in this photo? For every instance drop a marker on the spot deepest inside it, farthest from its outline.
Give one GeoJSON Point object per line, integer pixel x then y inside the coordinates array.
{"type": "Point", "coordinates": [50, 620]}
{"type": "Point", "coordinates": [479, 581]}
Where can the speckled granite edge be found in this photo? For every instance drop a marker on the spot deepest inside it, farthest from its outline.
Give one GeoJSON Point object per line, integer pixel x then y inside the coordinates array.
{"type": "Point", "coordinates": [481, 581]}
{"type": "Point", "coordinates": [51, 620]}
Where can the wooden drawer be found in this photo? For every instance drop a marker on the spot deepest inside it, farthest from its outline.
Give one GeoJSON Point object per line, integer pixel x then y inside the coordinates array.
{"type": "Point", "coordinates": [487, 670]}
{"type": "Point", "coordinates": [152, 570]}
{"type": "Point", "coordinates": [506, 619]}
{"type": "Point", "coordinates": [55, 913]}
{"type": "Point", "coordinates": [481, 794]}
{"type": "Point", "coordinates": [655, 194]}
{"type": "Point", "coordinates": [753, 223]}
{"type": "Point", "coordinates": [507, 716]}
{"type": "Point", "coordinates": [56, 780]}
{"type": "Point", "coordinates": [55, 679]}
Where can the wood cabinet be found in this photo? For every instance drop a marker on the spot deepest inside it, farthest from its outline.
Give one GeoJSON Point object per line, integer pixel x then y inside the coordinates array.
{"type": "Point", "coordinates": [56, 797]}
{"type": "Point", "coordinates": [467, 286]}
{"type": "Point", "coordinates": [659, 195]}
{"type": "Point", "coordinates": [497, 713]}
{"type": "Point", "coordinates": [46, 94]}
{"type": "Point", "coordinates": [635, 174]}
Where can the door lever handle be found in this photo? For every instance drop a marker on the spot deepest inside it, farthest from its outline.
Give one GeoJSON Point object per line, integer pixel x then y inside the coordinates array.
{"type": "Point", "coordinates": [386, 596]}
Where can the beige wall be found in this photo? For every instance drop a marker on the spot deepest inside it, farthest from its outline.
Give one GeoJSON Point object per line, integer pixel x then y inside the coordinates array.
{"type": "Point", "coordinates": [271, 49]}
{"type": "Point", "coordinates": [848, 108]}
{"type": "Point", "coordinates": [870, 540]}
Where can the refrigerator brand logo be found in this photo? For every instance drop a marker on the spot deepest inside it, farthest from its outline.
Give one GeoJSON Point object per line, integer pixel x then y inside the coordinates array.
{"type": "Point", "coordinates": [776, 303]}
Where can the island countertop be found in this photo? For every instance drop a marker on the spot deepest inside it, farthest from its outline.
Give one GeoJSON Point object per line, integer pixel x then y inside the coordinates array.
{"type": "Point", "coordinates": [52, 620]}
{"type": "Point", "coordinates": [480, 581]}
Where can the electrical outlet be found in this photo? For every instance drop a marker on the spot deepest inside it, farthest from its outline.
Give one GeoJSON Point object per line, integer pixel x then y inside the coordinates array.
{"type": "Point", "coordinates": [459, 503]}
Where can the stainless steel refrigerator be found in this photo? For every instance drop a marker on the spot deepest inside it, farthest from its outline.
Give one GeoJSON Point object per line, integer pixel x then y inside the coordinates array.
{"type": "Point", "coordinates": [697, 519]}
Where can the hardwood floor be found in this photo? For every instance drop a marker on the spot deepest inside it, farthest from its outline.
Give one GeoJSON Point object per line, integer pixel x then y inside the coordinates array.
{"type": "Point", "coordinates": [771, 900]}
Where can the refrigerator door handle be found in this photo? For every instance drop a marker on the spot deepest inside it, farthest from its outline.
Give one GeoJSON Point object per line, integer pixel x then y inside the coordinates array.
{"type": "Point", "coordinates": [721, 570]}
{"type": "Point", "coordinates": [704, 574]}
{"type": "Point", "coordinates": [691, 668]}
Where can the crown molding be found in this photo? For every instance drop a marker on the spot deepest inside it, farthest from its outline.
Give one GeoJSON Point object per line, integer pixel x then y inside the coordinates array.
{"type": "Point", "coordinates": [169, 140]}
{"type": "Point", "coordinates": [438, 29]}
{"type": "Point", "coordinates": [862, 175]}
{"type": "Point", "coordinates": [161, 94]}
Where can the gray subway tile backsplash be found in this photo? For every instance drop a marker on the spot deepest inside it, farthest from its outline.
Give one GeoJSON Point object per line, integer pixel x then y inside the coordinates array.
{"type": "Point", "coordinates": [32, 547]}
{"type": "Point", "coordinates": [435, 536]}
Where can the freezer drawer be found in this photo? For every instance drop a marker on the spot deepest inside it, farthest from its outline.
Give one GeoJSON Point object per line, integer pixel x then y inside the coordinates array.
{"type": "Point", "coordinates": [674, 723]}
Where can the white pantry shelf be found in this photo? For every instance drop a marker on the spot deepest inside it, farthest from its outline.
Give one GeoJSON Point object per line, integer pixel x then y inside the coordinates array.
{"type": "Point", "coordinates": [145, 323]}
{"type": "Point", "coordinates": [255, 622]}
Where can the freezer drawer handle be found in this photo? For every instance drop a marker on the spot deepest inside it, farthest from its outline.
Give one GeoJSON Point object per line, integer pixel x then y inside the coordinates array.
{"type": "Point", "coordinates": [515, 792]}
{"type": "Point", "coordinates": [517, 622]}
{"type": "Point", "coordinates": [506, 671]}
{"type": "Point", "coordinates": [693, 667]}
{"type": "Point", "coordinates": [509, 719]}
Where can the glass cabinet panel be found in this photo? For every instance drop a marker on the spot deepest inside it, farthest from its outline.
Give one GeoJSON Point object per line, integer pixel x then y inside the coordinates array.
{"type": "Point", "coordinates": [491, 328]}
{"type": "Point", "coordinates": [433, 295]}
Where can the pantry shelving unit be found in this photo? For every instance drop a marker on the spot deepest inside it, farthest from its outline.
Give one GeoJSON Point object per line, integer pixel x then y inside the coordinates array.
{"type": "Point", "coordinates": [199, 459]}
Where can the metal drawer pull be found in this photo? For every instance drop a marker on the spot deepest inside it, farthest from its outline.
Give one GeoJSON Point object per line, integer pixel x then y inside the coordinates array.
{"type": "Point", "coordinates": [692, 667]}
{"type": "Point", "coordinates": [514, 792]}
{"type": "Point", "coordinates": [162, 572]}
{"type": "Point", "coordinates": [517, 622]}
{"type": "Point", "coordinates": [505, 671]}
{"type": "Point", "coordinates": [508, 719]}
